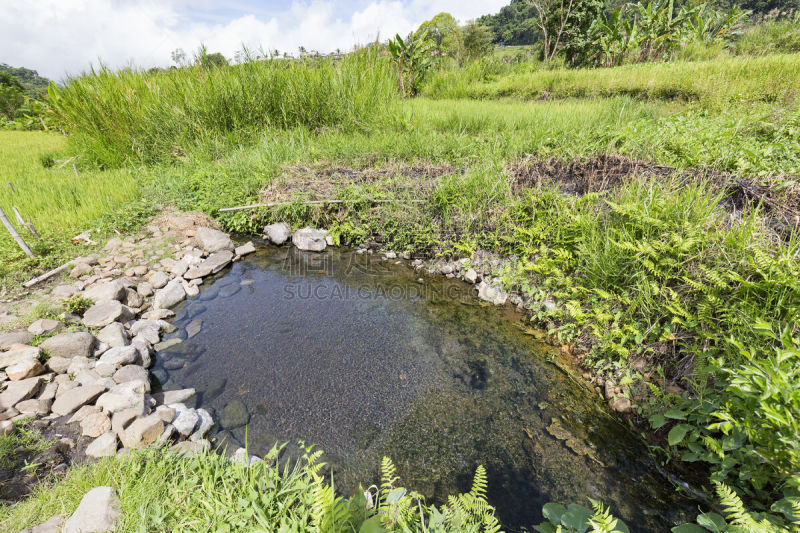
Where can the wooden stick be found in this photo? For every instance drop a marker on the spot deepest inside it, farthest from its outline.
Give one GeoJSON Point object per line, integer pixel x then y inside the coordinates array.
{"type": "Point", "coordinates": [51, 273]}
{"type": "Point", "coordinates": [20, 220]}
{"type": "Point", "coordinates": [313, 202]}
{"type": "Point", "coordinates": [14, 234]}
{"type": "Point", "coordinates": [76, 171]}
{"type": "Point", "coordinates": [29, 224]}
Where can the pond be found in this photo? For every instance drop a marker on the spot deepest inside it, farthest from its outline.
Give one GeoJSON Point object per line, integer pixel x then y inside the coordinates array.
{"type": "Point", "coordinates": [368, 358]}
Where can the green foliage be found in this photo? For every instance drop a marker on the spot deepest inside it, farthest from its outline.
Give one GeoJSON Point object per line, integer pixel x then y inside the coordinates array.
{"type": "Point", "coordinates": [23, 440]}
{"type": "Point", "coordinates": [515, 24]}
{"type": "Point", "coordinates": [566, 29]}
{"type": "Point", "coordinates": [771, 36]}
{"type": "Point", "coordinates": [77, 304]}
{"type": "Point", "coordinates": [579, 519]}
{"type": "Point", "coordinates": [477, 40]}
{"type": "Point", "coordinates": [412, 59]}
{"type": "Point", "coordinates": [31, 83]}
{"type": "Point", "coordinates": [443, 31]}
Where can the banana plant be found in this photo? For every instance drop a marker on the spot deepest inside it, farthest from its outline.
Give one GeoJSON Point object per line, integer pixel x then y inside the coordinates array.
{"type": "Point", "coordinates": [412, 58]}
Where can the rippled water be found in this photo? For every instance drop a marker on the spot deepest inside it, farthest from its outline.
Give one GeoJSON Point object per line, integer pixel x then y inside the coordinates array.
{"type": "Point", "coordinates": [365, 359]}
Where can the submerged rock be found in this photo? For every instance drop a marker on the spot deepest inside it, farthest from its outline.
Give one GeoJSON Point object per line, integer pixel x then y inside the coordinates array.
{"type": "Point", "coordinates": [309, 239]}
{"type": "Point", "coordinates": [234, 415]}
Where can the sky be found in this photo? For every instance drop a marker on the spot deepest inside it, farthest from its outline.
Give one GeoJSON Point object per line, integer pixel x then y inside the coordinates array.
{"type": "Point", "coordinates": [59, 38]}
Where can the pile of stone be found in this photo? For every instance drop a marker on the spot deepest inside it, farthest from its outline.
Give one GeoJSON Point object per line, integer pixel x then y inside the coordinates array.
{"type": "Point", "coordinates": [97, 374]}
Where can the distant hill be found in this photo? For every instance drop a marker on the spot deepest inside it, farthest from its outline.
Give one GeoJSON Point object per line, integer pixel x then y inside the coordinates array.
{"type": "Point", "coordinates": [30, 79]}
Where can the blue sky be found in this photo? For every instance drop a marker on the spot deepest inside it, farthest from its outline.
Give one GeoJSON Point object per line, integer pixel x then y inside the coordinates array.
{"type": "Point", "coordinates": [64, 37]}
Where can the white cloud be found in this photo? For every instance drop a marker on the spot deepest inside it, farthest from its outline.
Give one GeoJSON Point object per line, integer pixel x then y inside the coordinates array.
{"type": "Point", "coordinates": [60, 37]}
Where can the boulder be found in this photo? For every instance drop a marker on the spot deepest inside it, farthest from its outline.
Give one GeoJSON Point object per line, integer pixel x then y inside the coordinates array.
{"type": "Point", "coordinates": [213, 264]}
{"type": "Point", "coordinates": [620, 404]}
{"type": "Point", "coordinates": [131, 373]}
{"type": "Point", "coordinates": [34, 407]}
{"type": "Point", "coordinates": [114, 335]}
{"type": "Point", "coordinates": [103, 446]}
{"type": "Point", "coordinates": [234, 415]}
{"type": "Point", "coordinates": [99, 511]}
{"type": "Point", "coordinates": [277, 233]}
{"type": "Point", "coordinates": [247, 248]}
{"type": "Point", "coordinates": [75, 398]}
{"type": "Point", "coordinates": [82, 413]}
{"type": "Point", "coordinates": [103, 292]}
{"type": "Point", "coordinates": [14, 357]}
{"type": "Point", "coordinates": [142, 431]}
{"type": "Point", "coordinates": [309, 239]}
{"type": "Point", "coordinates": [122, 419]}
{"type": "Point", "coordinates": [185, 420]}
{"type": "Point", "coordinates": [133, 299]}
{"type": "Point", "coordinates": [27, 368]}
{"type": "Point", "coordinates": [492, 292]}
{"type": "Point", "coordinates": [119, 357]}
{"type": "Point", "coordinates": [51, 526]}
{"type": "Point", "coordinates": [144, 289]}
{"type": "Point", "coordinates": [471, 276]}
{"type": "Point", "coordinates": [45, 326]}
{"type": "Point", "coordinates": [128, 395]}
{"type": "Point", "coordinates": [173, 396]}
{"type": "Point", "coordinates": [69, 345]}
{"type": "Point", "coordinates": [212, 240]}
{"type": "Point", "coordinates": [103, 314]}
{"type": "Point", "coordinates": [203, 427]}
{"type": "Point", "coordinates": [7, 340]}
{"type": "Point", "coordinates": [172, 294]}
{"type": "Point", "coordinates": [158, 279]}
{"type": "Point", "coordinates": [95, 425]}
{"type": "Point", "coordinates": [16, 391]}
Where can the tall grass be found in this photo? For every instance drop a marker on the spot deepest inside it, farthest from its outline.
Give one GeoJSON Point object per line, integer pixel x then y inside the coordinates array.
{"type": "Point", "coordinates": [146, 117]}
{"type": "Point", "coordinates": [770, 37]}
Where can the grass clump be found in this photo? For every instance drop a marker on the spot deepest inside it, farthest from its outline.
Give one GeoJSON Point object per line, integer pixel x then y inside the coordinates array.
{"type": "Point", "coordinates": [129, 115]}
{"type": "Point", "coordinates": [23, 440]}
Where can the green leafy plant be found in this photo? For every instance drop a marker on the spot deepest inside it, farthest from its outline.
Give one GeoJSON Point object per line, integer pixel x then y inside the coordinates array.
{"type": "Point", "coordinates": [77, 304]}
{"type": "Point", "coordinates": [412, 58]}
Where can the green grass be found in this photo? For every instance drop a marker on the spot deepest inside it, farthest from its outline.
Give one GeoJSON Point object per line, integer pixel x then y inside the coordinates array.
{"type": "Point", "coordinates": [717, 83]}
{"type": "Point", "coordinates": [59, 203]}
{"type": "Point", "coordinates": [23, 440]}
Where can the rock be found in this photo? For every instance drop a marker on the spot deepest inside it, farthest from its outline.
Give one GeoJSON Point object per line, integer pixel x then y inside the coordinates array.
{"type": "Point", "coordinates": [27, 368]}
{"type": "Point", "coordinates": [158, 314]}
{"type": "Point", "coordinates": [45, 326]}
{"type": "Point", "coordinates": [99, 511]}
{"type": "Point", "coordinates": [167, 414]}
{"type": "Point", "coordinates": [131, 373]}
{"type": "Point", "coordinates": [193, 328]}
{"type": "Point", "coordinates": [185, 419]}
{"type": "Point", "coordinates": [173, 396]}
{"type": "Point", "coordinates": [143, 350]}
{"type": "Point", "coordinates": [62, 292]}
{"type": "Point", "coordinates": [234, 415]}
{"type": "Point", "coordinates": [144, 289]}
{"type": "Point", "coordinates": [172, 294]}
{"type": "Point", "coordinates": [82, 413]}
{"type": "Point", "coordinates": [158, 279]}
{"type": "Point", "coordinates": [179, 268]}
{"type": "Point", "coordinates": [13, 357]}
{"type": "Point", "coordinates": [119, 357]}
{"type": "Point", "coordinates": [34, 407]}
{"type": "Point", "coordinates": [103, 314]}
{"type": "Point", "coordinates": [65, 387]}
{"type": "Point", "coordinates": [247, 248]}
{"type": "Point", "coordinates": [75, 398]}
{"type": "Point", "coordinates": [133, 299]}
{"type": "Point", "coordinates": [16, 391]}
{"type": "Point", "coordinates": [7, 340]}
{"type": "Point", "coordinates": [213, 264]}
{"type": "Point", "coordinates": [79, 270]}
{"type": "Point", "coordinates": [492, 292]}
{"type": "Point", "coordinates": [309, 239]}
{"type": "Point", "coordinates": [122, 419]}
{"type": "Point", "coordinates": [204, 425]}
{"type": "Point", "coordinates": [95, 425]}
{"type": "Point", "coordinates": [69, 345]}
{"type": "Point", "coordinates": [158, 325]}
{"type": "Point", "coordinates": [77, 365]}
{"type": "Point", "coordinates": [51, 526]}
{"type": "Point", "coordinates": [620, 404]}
{"type": "Point", "coordinates": [142, 431]}
{"type": "Point", "coordinates": [610, 387]}
{"type": "Point", "coordinates": [6, 427]}
{"type": "Point", "coordinates": [212, 240]}
{"type": "Point", "coordinates": [88, 376]}
{"type": "Point", "coordinates": [470, 276]}
{"type": "Point", "coordinates": [277, 233]}
{"type": "Point", "coordinates": [49, 391]}
{"type": "Point", "coordinates": [165, 345]}
{"type": "Point", "coordinates": [127, 395]}
{"type": "Point", "coordinates": [102, 292]}
{"type": "Point", "coordinates": [114, 335]}
{"type": "Point", "coordinates": [241, 456]}
{"type": "Point", "coordinates": [103, 446]}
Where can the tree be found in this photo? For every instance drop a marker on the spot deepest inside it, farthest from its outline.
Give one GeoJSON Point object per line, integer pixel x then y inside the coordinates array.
{"type": "Point", "coordinates": [178, 57]}
{"type": "Point", "coordinates": [445, 34]}
{"type": "Point", "coordinates": [11, 94]}
{"type": "Point", "coordinates": [515, 24]}
{"type": "Point", "coordinates": [477, 40]}
{"type": "Point", "coordinates": [564, 27]}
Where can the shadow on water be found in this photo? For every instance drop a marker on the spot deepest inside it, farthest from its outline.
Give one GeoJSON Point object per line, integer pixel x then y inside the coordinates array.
{"type": "Point", "coordinates": [365, 359]}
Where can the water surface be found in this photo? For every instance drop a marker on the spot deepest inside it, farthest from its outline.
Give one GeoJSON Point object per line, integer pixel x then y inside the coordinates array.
{"type": "Point", "coordinates": [365, 358]}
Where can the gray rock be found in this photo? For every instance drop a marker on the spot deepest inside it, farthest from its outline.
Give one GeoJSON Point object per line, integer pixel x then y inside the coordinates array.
{"type": "Point", "coordinates": [102, 292]}
{"type": "Point", "coordinates": [165, 345]}
{"type": "Point", "coordinates": [34, 407]}
{"type": "Point", "coordinates": [122, 419]}
{"type": "Point", "coordinates": [103, 446]}
{"type": "Point", "coordinates": [173, 396]}
{"type": "Point", "coordinates": [119, 357]}
{"type": "Point", "coordinates": [99, 511]}
{"type": "Point", "coordinates": [213, 264]}
{"type": "Point", "coordinates": [16, 391]}
{"type": "Point", "coordinates": [62, 292]}
{"type": "Point", "coordinates": [127, 395]}
{"type": "Point", "coordinates": [620, 404]}
{"type": "Point", "coordinates": [45, 326]}
{"type": "Point", "coordinates": [6, 427]}
{"type": "Point", "coordinates": [247, 248]}
{"type": "Point", "coordinates": [470, 276]}
{"type": "Point", "coordinates": [69, 345]}
{"type": "Point", "coordinates": [73, 399]}
{"type": "Point", "coordinates": [79, 270]}
{"type": "Point", "coordinates": [49, 391]}
{"type": "Point", "coordinates": [95, 424]}
{"type": "Point", "coordinates": [159, 325]}
{"type": "Point", "coordinates": [190, 449]}
{"type": "Point", "coordinates": [132, 373]}
{"type": "Point", "coordinates": [492, 292]}
{"type": "Point", "coordinates": [158, 314]}
{"type": "Point", "coordinates": [142, 431]}
{"type": "Point", "coordinates": [158, 279]}
{"type": "Point", "coordinates": [82, 413]}
{"type": "Point", "coordinates": [114, 335]}
{"type": "Point", "coordinates": [7, 340]}
{"type": "Point", "coordinates": [204, 425]}
{"type": "Point", "coordinates": [277, 233]}
{"type": "Point", "coordinates": [194, 327]}
{"type": "Point", "coordinates": [133, 299]}
{"type": "Point", "coordinates": [27, 368]}
{"type": "Point", "coordinates": [212, 240]}
{"type": "Point", "coordinates": [309, 239]}
{"type": "Point", "coordinates": [172, 294]}
{"type": "Point", "coordinates": [14, 357]}
{"type": "Point", "coordinates": [77, 365]}
{"type": "Point", "coordinates": [234, 415]}
{"type": "Point", "coordinates": [103, 314]}
{"type": "Point", "coordinates": [185, 420]}
{"type": "Point", "coordinates": [144, 289]}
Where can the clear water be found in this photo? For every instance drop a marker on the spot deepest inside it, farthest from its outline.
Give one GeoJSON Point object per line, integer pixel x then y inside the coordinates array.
{"type": "Point", "coordinates": [365, 359]}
